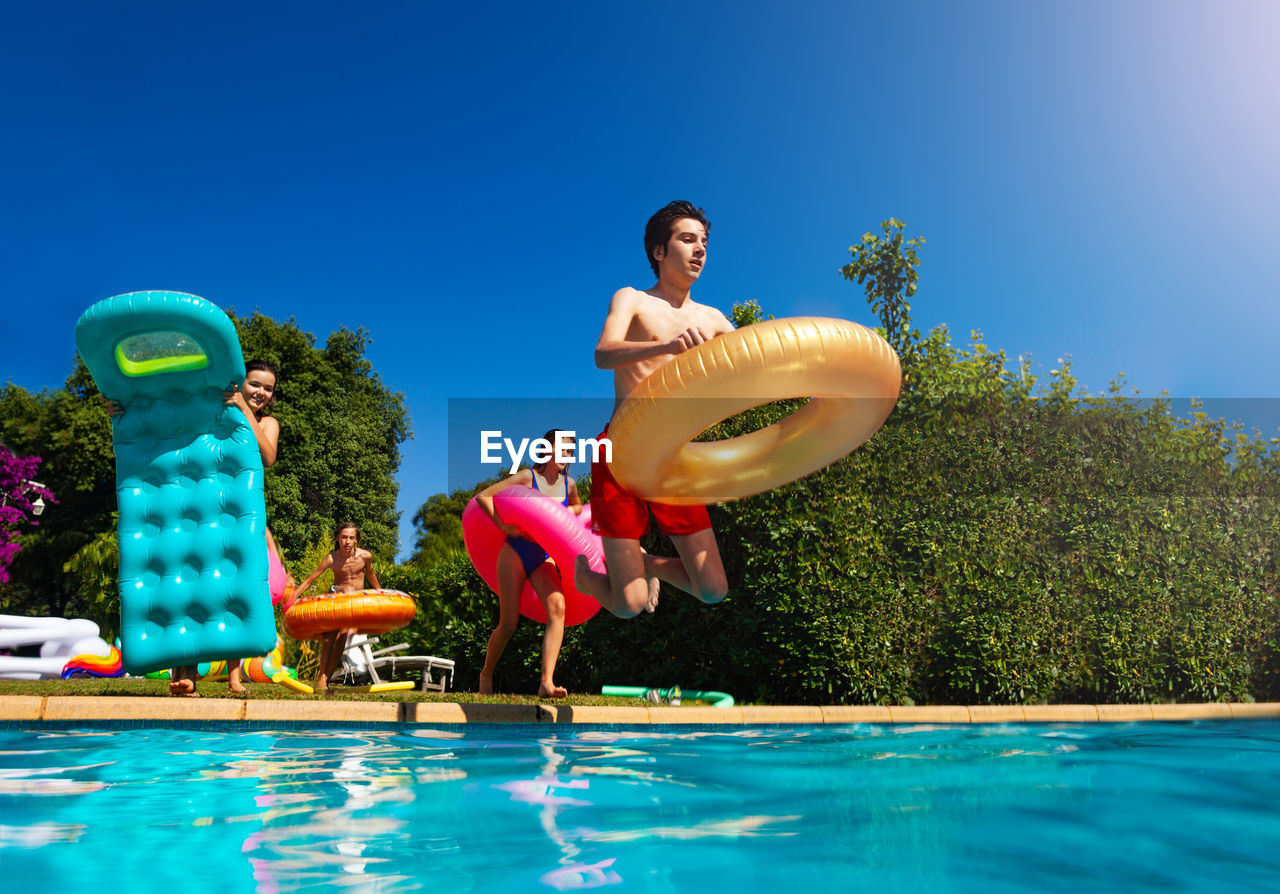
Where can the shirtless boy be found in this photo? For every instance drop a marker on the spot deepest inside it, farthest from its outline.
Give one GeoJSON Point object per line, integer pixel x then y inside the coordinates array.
{"type": "Point", "coordinates": [643, 331]}
{"type": "Point", "coordinates": [350, 565]}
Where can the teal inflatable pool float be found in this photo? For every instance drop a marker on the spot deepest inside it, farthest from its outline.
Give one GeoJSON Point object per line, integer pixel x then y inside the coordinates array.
{"type": "Point", "coordinates": [193, 556]}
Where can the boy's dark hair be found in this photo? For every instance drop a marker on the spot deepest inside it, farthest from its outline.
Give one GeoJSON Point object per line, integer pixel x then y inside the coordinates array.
{"type": "Point", "coordinates": [657, 232]}
{"type": "Point", "coordinates": [264, 366]}
{"type": "Point", "coordinates": [342, 527]}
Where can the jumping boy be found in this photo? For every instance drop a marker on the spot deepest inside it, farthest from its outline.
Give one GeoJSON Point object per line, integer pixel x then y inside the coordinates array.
{"type": "Point", "coordinates": [643, 331]}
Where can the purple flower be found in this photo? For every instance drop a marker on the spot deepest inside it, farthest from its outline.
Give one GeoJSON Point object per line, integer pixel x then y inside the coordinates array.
{"type": "Point", "coordinates": [16, 496]}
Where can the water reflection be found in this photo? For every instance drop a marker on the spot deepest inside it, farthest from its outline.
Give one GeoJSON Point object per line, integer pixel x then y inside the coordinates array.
{"type": "Point", "coordinates": [546, 792]}
{"type": "Point", "coordinates": [333, 812]}
{"type": "Point", "coordinates": [906, 808]}
{"type": "Point", "coordinates": [638, 782]}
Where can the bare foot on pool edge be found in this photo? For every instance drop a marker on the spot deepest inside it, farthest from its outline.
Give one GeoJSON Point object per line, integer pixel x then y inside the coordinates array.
{"type": "Point", "coordinates": [184, 687]}
{"type": "Point", "coordinates": [486, 684]}
{"type": "Point", "coordinates": [551, 690]}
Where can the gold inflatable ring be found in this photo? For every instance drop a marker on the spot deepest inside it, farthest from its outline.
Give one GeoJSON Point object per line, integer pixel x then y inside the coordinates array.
{"type": "Point", "coordinates": [368, 611]}
{"type": "Point", "coordinates": [851, 374]}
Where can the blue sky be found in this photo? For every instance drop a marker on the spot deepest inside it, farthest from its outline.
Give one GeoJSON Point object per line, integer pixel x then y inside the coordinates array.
{"type": "Point", "coordinates": [471, 184]}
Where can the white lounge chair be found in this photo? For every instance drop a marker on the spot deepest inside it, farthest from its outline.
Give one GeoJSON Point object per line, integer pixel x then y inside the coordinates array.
{"type": "Point", "coordinates": [361, 663]}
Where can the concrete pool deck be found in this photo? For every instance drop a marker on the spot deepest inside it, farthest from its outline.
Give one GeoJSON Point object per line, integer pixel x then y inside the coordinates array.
{"type": "Point", "coordinates": [64, 709]}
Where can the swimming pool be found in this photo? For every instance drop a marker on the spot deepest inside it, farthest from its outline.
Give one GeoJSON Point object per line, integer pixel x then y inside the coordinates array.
{"type": "Point", "coordinates": [1052, 807]}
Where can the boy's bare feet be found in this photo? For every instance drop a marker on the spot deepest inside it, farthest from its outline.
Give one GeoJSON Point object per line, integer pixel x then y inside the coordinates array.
{"type": "Point", "coordinates": [551, 690]}
{"type": "Point", "coordinates": [655, 586]}
{"type": "Point", "coordinates": [184, 687]}
{"type": "Point", "coordinates": [234, 679]}
{"type": "Point", "coordinates": [486, 684]}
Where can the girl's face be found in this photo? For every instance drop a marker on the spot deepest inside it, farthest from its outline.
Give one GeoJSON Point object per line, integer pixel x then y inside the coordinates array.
{"type": "Point", "coordinates": [562, 456]}
{"type": "Point", "coordinates": [258, 388]}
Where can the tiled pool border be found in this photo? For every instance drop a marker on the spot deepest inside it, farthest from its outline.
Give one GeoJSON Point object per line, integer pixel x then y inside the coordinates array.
{"type": "Point", "coordinates": [117, 709]}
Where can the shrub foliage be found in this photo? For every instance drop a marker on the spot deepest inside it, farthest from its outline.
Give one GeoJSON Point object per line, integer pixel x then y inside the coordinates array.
{"type": "Point", "coordinates": [993, 548]}
{"type": "Point", "coordinates": [1001, 541]}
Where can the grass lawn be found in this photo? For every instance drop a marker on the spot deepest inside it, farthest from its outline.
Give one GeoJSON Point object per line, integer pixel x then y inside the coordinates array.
{"type": "Point", "coordinates": [131, 686]}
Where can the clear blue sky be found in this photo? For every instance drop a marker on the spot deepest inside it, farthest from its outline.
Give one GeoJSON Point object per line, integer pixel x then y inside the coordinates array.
{"type": "Point", "coordinates": [470, 182]}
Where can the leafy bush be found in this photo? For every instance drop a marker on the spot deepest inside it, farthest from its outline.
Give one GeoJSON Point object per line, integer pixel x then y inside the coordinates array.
{"type": "Point", "coordinates": [989, 545]}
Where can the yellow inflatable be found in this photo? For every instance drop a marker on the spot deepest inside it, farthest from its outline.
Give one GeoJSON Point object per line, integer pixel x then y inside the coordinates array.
{"type": "Point", "coordinates": [852, 374]}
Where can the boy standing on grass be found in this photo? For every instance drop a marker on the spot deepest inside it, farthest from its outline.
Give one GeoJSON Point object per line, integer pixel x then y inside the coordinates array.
{"type": "Point", "coordinates": [350, 564]}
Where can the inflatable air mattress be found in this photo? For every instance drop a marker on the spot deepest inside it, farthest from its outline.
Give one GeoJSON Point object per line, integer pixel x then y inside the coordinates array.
{"type": "Point", "coordinates": [193, 557]}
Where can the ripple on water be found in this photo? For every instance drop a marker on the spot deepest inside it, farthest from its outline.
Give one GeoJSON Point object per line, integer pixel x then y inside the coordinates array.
{"type": "Point", "coordinates": [1127, 807]}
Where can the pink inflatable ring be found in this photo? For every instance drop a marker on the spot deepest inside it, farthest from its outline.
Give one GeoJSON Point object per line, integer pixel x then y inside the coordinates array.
{"type": "Point", "coordinates": [548, 523]}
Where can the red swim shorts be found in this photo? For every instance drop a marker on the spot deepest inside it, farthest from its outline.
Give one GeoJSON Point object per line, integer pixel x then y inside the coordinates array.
{"type": "Point", "coordinates": [616, 513]}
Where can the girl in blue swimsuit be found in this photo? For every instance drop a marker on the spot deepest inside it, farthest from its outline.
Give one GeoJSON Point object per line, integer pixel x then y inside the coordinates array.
{"type": "Point", "coordinates": [520, 560]}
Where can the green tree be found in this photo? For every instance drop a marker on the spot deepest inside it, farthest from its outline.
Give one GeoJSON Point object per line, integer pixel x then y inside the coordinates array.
{"type": "Point", "coordinates": [92, 571]}
{"type": "Point", "coordinates": [438, 524]}
{"type": "Point", "coordinates": [744, 313]}
{"type": "Point", "coordinates": [886, 267]}
{"type": "Point", "coordinates": [70, 429]}
{"type": "Point", "coordinates": [340, 434]}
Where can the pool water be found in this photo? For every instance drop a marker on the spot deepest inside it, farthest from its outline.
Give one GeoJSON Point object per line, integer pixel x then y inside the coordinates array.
{"type": "Point", "coordinates": [1055, 807]}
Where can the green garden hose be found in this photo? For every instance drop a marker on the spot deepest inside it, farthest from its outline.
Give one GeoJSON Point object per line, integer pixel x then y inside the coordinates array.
{"type": "Point", "coordinates": [717, 699]}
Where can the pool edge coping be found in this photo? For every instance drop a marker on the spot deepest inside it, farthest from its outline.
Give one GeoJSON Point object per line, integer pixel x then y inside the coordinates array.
{"type": "Point", "coordinates": [159, 708]}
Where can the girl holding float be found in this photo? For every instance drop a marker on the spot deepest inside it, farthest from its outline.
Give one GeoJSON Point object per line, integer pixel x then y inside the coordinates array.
{"type": "Point", "coordinates": [254, 398]}
{"type": "Point", "coordinates": [522, 561]}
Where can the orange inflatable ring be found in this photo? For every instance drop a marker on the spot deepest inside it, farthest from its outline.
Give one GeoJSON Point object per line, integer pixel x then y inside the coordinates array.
{"type": "Point", "coordinates": [852, 374]}
{"type": "Point", "coordinates": [368, 611]}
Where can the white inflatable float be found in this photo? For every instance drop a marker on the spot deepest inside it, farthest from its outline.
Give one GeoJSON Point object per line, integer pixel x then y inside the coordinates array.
{"type": "Point", "coordinates": [67, 648]}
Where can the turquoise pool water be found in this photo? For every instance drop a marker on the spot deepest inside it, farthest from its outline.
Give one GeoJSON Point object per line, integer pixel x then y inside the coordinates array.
{"type": "Point", "coordinates": [1090, 807]}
